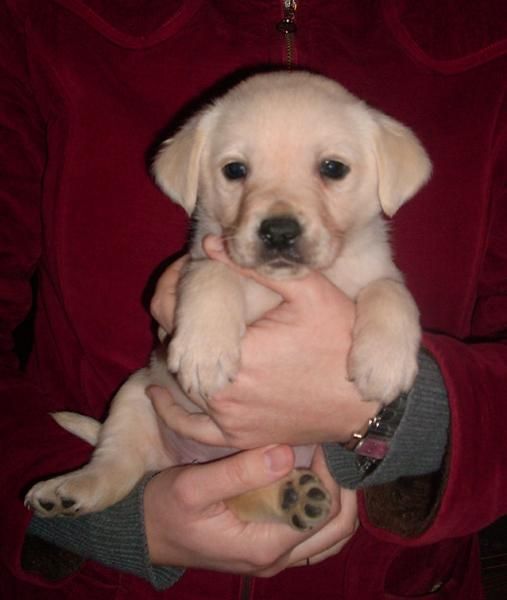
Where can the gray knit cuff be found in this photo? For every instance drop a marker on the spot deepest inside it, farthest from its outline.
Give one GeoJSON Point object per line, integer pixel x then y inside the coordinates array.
{"type": "Point", "coordinates": [114, 537]}
{"type": "Point", "coordinates": [419, 443]}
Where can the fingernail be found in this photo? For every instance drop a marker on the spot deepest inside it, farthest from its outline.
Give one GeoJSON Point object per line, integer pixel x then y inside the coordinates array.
{"type": "Point", "coordinates": [277, 458]}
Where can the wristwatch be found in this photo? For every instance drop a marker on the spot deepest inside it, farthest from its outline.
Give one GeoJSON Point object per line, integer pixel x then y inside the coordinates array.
{"type": "Point", "coordinates": [372, 446]}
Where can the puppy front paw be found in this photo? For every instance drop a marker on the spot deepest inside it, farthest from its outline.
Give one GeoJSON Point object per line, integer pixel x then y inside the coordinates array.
{"type": "Point", "coordinates": [382, 361]}
{"type": "Point", "coordinates": [382, 366]}
{"type": "Point", "coordinates": [205, 359]}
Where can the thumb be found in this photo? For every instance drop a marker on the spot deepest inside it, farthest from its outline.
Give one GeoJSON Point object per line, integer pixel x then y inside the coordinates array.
{"type": "Point", "coordinates": [240, 473]}
{"type": "Point", "coordinates": [288, 289]}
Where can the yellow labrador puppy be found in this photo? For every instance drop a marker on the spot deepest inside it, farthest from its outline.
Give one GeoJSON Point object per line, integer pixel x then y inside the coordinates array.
{"type": "Point", "coordinates": [294, 172]}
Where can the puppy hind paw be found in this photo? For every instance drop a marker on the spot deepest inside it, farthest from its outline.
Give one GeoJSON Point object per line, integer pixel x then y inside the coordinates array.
{"type": "Point", "coordinates": [304, 501]}
{"type": "Point", "coordinates": [45, 499]}
{"type": "Point", "coordinates": [71, 495]}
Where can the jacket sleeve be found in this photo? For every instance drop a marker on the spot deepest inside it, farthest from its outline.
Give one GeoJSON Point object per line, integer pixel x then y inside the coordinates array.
{"type": "Point", "coordinates": [32, 445]}
{"type": "Point", "coordinates": [470, 490]}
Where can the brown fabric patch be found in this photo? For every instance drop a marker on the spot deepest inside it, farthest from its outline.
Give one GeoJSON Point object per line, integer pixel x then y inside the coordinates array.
{"type": "Point", "coordinates": [48, 561]}
{"type": "Point", "coordinates": [408, 505]}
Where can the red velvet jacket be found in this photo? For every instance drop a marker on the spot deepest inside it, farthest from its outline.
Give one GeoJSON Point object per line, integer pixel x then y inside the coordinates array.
{"type": "Point", "coordinates": [86, 89]}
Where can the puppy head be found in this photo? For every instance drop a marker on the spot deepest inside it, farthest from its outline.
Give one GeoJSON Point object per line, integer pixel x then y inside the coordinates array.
{"type": "Point", "coordinates": [288, 166]}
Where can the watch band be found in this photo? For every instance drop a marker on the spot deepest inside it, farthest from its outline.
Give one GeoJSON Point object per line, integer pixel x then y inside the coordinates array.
{"type": "Point", "coordinates": [372, 446]}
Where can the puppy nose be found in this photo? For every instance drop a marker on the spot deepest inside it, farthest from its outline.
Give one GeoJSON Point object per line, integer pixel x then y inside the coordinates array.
{"type": "Point", "coordinates": [279, 232]}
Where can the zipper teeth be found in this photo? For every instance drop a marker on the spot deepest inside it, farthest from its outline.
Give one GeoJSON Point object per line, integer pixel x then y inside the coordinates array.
{"type": "Point", "coordinates": [289, 40]}
{"type": "Point", "coordinates": [287, 26]}
{"type": "Point", "coordinates": [246, 587]}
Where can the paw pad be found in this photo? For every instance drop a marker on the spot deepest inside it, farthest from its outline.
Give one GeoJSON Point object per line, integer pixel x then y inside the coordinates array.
{"type": "Point", "coordinates": [304, 500]}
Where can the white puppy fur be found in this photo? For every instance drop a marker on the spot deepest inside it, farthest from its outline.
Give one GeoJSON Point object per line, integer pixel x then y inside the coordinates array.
{"type": "Point", "coordinates": [295, 173]}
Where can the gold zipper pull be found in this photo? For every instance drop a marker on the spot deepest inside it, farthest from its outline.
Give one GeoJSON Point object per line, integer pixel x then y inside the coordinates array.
{"type": "Point", "coordinates": [288, 24]}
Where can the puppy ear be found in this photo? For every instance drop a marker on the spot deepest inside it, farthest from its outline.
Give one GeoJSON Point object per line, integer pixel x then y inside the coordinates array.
{"type": "Point", "coordinates": [402, 163]}
{"type": "Point", "coordinates": [177, 164]}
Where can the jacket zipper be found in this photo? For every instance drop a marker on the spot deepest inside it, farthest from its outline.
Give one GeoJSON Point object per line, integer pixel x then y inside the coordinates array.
{"type": "Point", "coordinates": [246, 587]}
{"type": "Point", "coordinates": [287, 27]}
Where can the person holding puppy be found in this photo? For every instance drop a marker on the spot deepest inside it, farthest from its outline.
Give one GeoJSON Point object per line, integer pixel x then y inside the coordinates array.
{"type": "Point", "coordinates": [80, 210]}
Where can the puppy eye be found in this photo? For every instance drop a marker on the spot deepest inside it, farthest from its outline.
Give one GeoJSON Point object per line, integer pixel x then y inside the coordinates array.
{"type": "Point", "coordinates": [235, 170]}
{"type": "Point", "coordinates": [333, 169]}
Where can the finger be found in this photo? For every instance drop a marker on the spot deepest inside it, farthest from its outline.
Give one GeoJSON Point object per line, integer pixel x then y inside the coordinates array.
{"type": "Point", "coordinates": [235, 475]}
{"type": "Point", "coordinates": [332, 537]}
{"type": "Point", "coordinates": [195, 426]}
{"type": "Point", "coordinates": [164, 299]}
{"type": "Point", "coordinates": [289, 289]}
{"type": "Point", "coordinates": [314, 560]}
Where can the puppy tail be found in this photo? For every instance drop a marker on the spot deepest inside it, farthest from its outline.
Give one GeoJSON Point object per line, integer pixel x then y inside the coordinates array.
{"type": "Point", "coordinates": [85, 428]}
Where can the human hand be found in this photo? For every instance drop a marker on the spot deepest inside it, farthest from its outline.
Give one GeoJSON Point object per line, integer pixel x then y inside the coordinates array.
{"type": "Point", "coordinates": [293, 385]}
{"type": "Point", "coordinates": [188, 523]}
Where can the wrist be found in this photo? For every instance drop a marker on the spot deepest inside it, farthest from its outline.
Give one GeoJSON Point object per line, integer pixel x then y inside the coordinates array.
{"type": "Point", "coordinates": [362, 413]}
{"type": "Point", "coordinates": [156, 538]}
{"type": "Point", "coordinates": [372, 443]}
{"type": "Point", "coordinates": [420, 440]}
{"type": "Point", "coordinates": [354, 413]}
